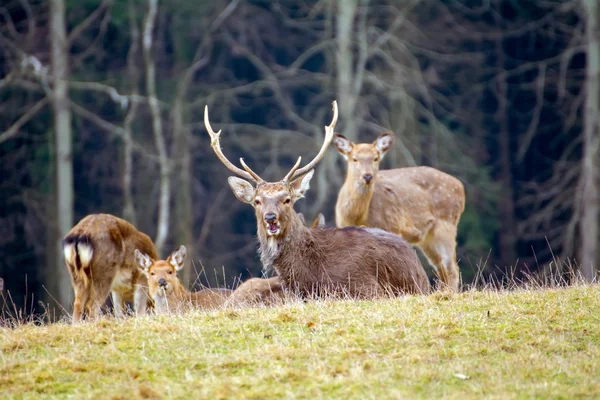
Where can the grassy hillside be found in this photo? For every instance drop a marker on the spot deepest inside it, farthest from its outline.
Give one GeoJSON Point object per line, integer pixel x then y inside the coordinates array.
{"type": "Point", "coordinates": [522, 344]}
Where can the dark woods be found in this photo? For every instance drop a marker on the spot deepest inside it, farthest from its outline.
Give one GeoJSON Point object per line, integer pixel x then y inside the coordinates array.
{"type": "Point", "coordinates": [501, 94]}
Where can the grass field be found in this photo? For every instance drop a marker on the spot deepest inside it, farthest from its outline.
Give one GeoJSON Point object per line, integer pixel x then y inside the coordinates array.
{"type": "Point", "coordinates": [509, 344]}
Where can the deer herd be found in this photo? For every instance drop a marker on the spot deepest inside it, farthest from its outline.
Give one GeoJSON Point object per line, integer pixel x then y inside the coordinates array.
{"type": "Point", "coordinates": [379, 216]}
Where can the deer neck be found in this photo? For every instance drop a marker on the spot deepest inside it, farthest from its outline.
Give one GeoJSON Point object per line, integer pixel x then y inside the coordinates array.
{"type": "Point", "coordinates": [274, 250]}
{"type": "Point", "coordinates": [352, 207]}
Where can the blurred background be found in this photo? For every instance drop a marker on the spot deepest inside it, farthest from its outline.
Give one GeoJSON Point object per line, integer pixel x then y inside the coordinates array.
{"type": "Point", "coordinates": [101, 110]}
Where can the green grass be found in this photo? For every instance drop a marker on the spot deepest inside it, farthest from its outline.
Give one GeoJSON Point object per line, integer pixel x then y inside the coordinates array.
{"type": "Point", "coordinates": [508, 344]}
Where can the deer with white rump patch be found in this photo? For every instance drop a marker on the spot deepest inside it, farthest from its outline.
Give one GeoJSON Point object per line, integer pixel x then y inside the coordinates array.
{"type": "Point", "coordinates": [98, 253]}
{"type": "Point", "coordinates": [167, 291]}
{"type": "Point", "coordinates": [421, 204]}
{"type": "Point", "coordinates": [358, 262]}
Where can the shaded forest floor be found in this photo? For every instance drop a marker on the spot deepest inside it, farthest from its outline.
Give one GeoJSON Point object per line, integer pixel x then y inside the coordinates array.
{"type": "Point", "coordinates": [507, 344]}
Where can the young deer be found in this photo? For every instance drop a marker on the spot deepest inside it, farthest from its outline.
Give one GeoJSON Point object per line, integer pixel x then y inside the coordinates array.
{"type": "Point", "coordinates": [355, 261]}
{"type": "Point", "coordinates": [421, 204]}
{"type": "Point", "coordinates": [167, 291]}
{"type": "Point", "coordinates": [98, 253]}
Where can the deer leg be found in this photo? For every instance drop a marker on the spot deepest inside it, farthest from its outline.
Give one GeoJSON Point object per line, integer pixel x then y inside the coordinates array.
{"type": "Point", "coordinates": [81, 297]}
{"type": "Point", "coordinates": [411, 234]}
{"type": "Point", "coordinates": [140, 300]}
{"type": "Point", "coordinates": [118, 304]}
{"type": "Point", "coordinates": [94, 310]}
{"type": "Point", "coordinates": [98, 298]}
{"type": "Point", "coordinates": [440, 249]}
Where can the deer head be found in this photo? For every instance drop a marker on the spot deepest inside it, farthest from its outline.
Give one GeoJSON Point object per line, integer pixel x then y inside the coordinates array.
{"type": "Point", "coordinates": [161, 274]}
{"type": "Point", "coordinates": [363, 158]}
{"type": "Point", "coordinates": [273, 202]}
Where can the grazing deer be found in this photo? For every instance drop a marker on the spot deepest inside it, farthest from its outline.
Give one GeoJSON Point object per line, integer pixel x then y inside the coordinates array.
{"type": "Point", "coordinates": [421, 204]}
{"type": "Point", "coordinates": [360, 262]}
{"type": "Point", "coordinates": [98, 253]}
{"type": "Point", "coordinates": [167, 291]}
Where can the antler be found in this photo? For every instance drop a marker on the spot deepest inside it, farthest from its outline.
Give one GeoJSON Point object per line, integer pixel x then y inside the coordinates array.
{"type": "Point", "coordinates": [214, 143]}
{"type": "Point", "coordinates": [295, 172]}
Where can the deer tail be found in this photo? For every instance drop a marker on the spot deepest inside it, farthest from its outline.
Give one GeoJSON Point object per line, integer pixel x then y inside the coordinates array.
{"type": "Point", "coordinates": [78, 250]}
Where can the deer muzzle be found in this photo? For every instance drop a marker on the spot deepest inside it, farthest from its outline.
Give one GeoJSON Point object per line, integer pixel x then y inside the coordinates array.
{"type": "Point", "coordinates": [272, 224]}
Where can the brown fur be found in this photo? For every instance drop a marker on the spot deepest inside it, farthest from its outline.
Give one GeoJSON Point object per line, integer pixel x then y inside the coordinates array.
{"type": "Point", "coordinates": [265, 291]}
{"type": "Point", "coordinates": [99, 254]}
{"type": "Point", "coordinates": [357, 262]}
{"type": "Point", "coordinates": [258, 291]}
{"type": "Point", "coordinates": [174, 296]}
{"type": "Point", "coordinates": [421, 204]}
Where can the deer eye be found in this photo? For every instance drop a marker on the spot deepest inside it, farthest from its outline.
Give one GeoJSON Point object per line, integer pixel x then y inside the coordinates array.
{"type": "Point", "coordinates": [257, 202]}
{"type": "Point", "coordinates": [152, 273]}
{"type": "Point", "coordinates": [355, 159]}
{"type": "Point", "coordinates": [376, 159]}
{"type": "Point", "coordinates": [170, 272]}
{"type": "Point", "coordinates": [287, 201]}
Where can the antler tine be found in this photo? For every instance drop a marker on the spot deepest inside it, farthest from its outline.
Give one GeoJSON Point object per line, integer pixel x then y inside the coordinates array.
{"type": "Point", "coordinates": [216, 146]}
{"type": "Point", "coordinates": [255, 176]}
{"type": "Point", "coordinates": [293, 170]}
{"type": "Point", "coordinates": [329, 130]}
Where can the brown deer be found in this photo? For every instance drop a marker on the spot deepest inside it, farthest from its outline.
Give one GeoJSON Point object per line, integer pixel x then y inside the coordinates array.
{"type": "Point", "coordinates": [421, 204]}
{"type": "Point", "coordinates": [167, 291]}
{"type": "Point", "coordinates": [99, 255]}
{"type": "Point", "coordinates": [265, 291]}
{"type": "Point", "coordinates": [359, 262]}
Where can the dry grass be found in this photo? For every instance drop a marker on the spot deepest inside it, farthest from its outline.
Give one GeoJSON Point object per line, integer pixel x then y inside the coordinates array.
{"type": "Point", "coordinates": [494, 344]}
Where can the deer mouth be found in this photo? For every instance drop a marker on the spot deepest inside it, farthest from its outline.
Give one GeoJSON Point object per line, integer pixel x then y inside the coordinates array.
{"type": "Point", "coordinates": [273, 228]}
{"type": "Point", "coordinates": [163, 291]}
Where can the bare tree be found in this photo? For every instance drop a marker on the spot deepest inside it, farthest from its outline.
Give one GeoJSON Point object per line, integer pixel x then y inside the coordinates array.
{"type": "Point", "coordinates": [134, 77]}
{"type": "Point", "coordinates": [63, 137]}
{"type": "Point", "coordinates": [589, 178]}
{"type": "Point", "coordinates": [162, 230]}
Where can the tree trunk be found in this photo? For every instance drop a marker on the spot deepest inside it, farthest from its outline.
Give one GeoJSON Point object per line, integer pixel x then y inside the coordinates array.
{"type": "Point", "coordinates": [588, 227]}
{"type": "Point", "coordinates": [345, 65]}
{"type": "Point", "coordinates": [507, 204]}
{"type": "Point", "coordinates": [162, 230]}
{"type": "Point", "coordinates": [63, 137]}
{"type": "Point", "coordinates": [183, 202]}
{"type": "Point", "coordinates": [132, 70]}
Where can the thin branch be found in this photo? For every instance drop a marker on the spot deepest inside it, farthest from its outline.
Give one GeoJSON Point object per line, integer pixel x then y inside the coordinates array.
{"type": "Point", "coordinates": [14, 129]}
{"type": "Point", "coordinates": [79, 29]}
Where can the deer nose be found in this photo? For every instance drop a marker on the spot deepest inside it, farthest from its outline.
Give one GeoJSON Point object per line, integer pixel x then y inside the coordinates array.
{"type": "Point", "coordinates": [367, 177]}
{"type": "Point", "coordinates": [270, 217]}
{"type": "Point", "coordinates": [162, 282]}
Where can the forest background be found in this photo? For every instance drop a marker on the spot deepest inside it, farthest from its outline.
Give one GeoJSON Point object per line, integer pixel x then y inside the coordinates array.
{"type": "Point", "coordinates": [101, 107]}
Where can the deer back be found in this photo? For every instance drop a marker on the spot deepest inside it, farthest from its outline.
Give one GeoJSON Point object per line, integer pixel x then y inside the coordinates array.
{"type": "Point", "coordinates": [362, 262]}
{"type": "Point", "coordinates": [101, 246]}
{"type": "Point", "coordinates": [400, 197]}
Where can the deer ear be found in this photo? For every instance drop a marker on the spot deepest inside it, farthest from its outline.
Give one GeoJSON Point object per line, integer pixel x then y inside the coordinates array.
{"type": "Point", "coordinates": [301, 216]}
{"type": "Point", "coordinates": [177, 257]}
{"type": "Point", "coordinates": [301, 185]}
{"type": "Point", "coordinates": [319, 222]}
{"type": "Point", "coordinates": [384, 142]}
{"type": "Point", "coordinates": [143, 261]}
{"type": "Point", "coordinates": [342, 145]}
{"type": "Point", "coordinates": [243, 190]}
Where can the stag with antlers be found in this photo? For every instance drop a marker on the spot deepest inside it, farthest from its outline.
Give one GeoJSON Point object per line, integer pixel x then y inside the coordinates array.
{"type": "Point", "coordinates": [353, 261]}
